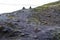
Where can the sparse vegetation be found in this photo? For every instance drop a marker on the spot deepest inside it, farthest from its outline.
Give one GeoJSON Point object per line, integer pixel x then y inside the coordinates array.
{"type": "Point", "coordinates": [11, 17]}
{"type": "Point", "coordinates": [56, 36]}
{"type": "Point", "coordinates": [46, 6]}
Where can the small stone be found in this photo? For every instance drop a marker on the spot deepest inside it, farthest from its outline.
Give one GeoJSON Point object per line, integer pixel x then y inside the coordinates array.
{"type": "Point", "coordinates": [22, 34]}
{"type": "Point", "coordinates": [51, 31]}
{"type": "Point", "coordinates": [37, 29]}
{"type": "Point", "coordinates": [18, 20]}
{"type": "Point", "coordinates": [48, 38]}
{"type": "Point", "coordinates": [35, 37]}
{"type": "Point", "coordinates": [16, 24]}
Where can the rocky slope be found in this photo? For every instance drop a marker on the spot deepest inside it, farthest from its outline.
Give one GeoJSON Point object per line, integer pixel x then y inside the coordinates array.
{"type": "Point", "coordinates": [41, 23]}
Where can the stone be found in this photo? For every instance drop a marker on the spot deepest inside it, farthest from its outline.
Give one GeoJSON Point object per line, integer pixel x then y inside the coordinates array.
{"type": "Point", "coordinates": [37, 29]}
{"type": "Point", "coordinates": [35, 37]}
{"type": "Point", "coordinates": [14, 34]}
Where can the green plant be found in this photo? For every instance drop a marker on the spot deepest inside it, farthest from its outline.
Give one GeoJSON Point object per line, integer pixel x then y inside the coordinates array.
{"type": "Point", "coordinates": [56, 36]}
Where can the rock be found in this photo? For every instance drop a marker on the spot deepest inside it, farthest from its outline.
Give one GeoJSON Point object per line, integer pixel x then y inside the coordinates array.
{"type": "Point", "coordinates": [14, 34]}
{"type": "Point", "coordinates": [24, 34]}
{"type": "Point", "coordinates": [35, 37]}
{"type": "Point", "coordinates": [6, 29]}
{"type": "Point", "coordinates": [37, 29]}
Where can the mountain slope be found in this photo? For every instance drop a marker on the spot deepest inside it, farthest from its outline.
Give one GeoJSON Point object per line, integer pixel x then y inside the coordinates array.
{"type": "Point", "coordinates": [49, 13]}
{"type": "Point", "coordinates": [41, 23]}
